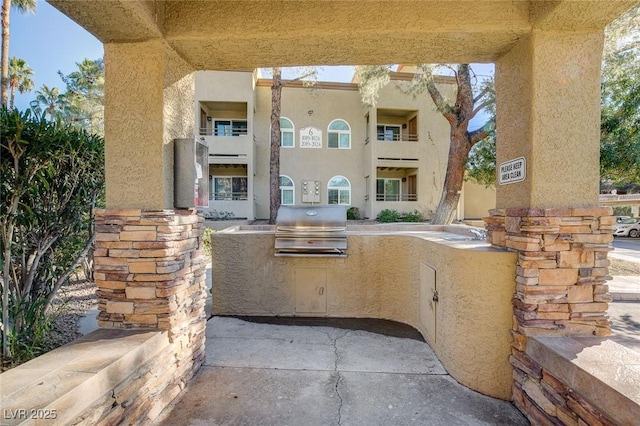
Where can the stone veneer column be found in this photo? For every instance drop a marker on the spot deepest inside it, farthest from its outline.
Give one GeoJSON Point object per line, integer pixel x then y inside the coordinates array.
{"type": "Point", "coordinates": [150, 272]}
{"type": "Point", "coordinates": [561, 290]}
{"type": "Point", "coordinates": [548, 97]}
{"type": "Point", "coordinates": [562, 269]}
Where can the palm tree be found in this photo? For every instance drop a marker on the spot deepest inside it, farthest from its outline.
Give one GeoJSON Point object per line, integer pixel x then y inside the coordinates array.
{"type": "Point", "coordinates": [24, 6]}
{"type": "Point", "coordinates": [85, 94]}
{"type": "Point", "coordinates": [51, 100]}
{"type": "Point", "coordinates": [19, 78]}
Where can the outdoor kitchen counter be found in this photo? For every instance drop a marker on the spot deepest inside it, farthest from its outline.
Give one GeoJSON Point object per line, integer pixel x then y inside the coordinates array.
{"type": "Point", "coordinates": [455, 290]}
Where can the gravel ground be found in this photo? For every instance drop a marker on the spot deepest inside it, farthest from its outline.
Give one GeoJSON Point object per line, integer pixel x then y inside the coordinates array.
{"type": "Point", "coordinates": [72, 301]}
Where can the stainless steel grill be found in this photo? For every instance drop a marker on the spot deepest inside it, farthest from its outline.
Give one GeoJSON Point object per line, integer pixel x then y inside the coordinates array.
{"type": "Point", "coordinates": [311, 231]}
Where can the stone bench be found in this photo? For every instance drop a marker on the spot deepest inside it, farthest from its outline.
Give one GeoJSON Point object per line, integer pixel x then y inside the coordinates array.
{"type": "Point", "coordinates": [104, 377]}
{"type": "Point", "coordinates": [588, 376]}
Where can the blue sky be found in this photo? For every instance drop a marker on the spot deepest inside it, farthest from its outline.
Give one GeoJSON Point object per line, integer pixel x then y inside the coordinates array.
{"type": "Point", "coordinates": [50, 42]}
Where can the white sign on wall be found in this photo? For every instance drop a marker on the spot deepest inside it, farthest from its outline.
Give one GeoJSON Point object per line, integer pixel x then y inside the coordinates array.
{"type": "Point", "coordinates": [310, 137]}
{"type": "Point", "coordinates": [512, 171]}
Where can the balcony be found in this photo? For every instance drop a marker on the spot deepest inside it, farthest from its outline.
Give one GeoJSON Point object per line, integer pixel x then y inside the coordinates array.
{"type": "Point", "coordinates": [224, 131]}
{"type": "Point", "coordinates": [396, 197]}
{"type": "Point", "coordinates": [397, 137]}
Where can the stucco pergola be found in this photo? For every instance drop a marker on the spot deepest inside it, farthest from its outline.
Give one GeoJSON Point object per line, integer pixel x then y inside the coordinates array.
{"type": "Point", "coordinates": [547, 56]}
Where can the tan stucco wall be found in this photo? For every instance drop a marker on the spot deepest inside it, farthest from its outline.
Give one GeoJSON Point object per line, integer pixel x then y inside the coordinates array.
{"type": "Point", "coordinates": [142, 117]}
{"type": "Point", "coordinates": [477, 200]}
{"type": "Point", "coordinates": [380, 278]}
{"type": "Point", "coordinates": [361, 160]}
{"type": "Point", "coordinates": [310, 163]}
{"type": "Point", "coordinates": [548, 104]}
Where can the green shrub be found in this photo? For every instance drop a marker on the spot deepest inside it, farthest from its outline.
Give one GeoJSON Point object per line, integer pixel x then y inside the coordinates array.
{"type": "Point", "coordinates": [414, 216]}
{"type": "Point", "coordinates": [51, 176]}
{"type": "Point", "coordinates": [622, 211]}
{"type": "Point", "coordinates": [353, 213]}
{"type": "Point", "coordinates": [206, 241]}
{"type": "Point", "coordinates": [388, 216]}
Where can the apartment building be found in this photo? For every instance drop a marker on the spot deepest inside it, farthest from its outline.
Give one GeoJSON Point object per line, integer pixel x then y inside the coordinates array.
{"type": "Point", "coordinates": [334, 149]}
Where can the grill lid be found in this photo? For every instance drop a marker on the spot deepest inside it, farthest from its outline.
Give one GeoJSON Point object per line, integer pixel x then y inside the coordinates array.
{"type": "Point", "coordinates": [311, 231]}
{"type": "Point", "coordinates": [325, 218]}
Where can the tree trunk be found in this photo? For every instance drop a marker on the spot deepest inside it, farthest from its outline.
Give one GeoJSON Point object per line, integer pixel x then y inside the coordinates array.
{"type": "Point", "coordinates": [458, 154]}
{"type": "Point", "coordinates": [4, 76]}
{"type": "Point", "coordinates": [274, 163]}
{"type": "Point", "coordinates": [461, 142]}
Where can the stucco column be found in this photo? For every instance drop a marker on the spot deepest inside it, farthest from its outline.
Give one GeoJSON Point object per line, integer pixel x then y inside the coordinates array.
{"type": "Point", "coordinates": [149, 97]}
{"type": "Point", "coordinates": [149, 262]}
{"type": "Point", "coordinates": [548, 112]}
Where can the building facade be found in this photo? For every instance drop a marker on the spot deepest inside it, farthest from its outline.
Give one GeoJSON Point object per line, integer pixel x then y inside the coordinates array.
{"type": "Point", "coordinates": [334, 149]}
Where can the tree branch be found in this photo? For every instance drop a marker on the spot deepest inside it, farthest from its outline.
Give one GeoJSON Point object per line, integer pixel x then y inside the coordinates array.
{"type": "Point", "coordinates": [481, 133]}
{"type": "Point", "coordinates": [70, 270]}
{"type": "Point", "coordinates": [480, 107]}
{"type": "Point", "coordinates": [483, 92]}
{"type": "Point", "coordinates": [445, 109]}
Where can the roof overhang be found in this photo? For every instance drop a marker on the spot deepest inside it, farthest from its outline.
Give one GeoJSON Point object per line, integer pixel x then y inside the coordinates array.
{"type": "Point", "coordinates": [219, 34]}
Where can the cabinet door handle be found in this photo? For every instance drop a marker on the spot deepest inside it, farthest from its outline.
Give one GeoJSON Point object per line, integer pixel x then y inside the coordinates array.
{"type": "Point", "coordinates": [321, 291]}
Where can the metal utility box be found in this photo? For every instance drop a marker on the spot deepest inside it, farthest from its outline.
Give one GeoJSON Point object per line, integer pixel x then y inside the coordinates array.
{"type": "Point", "coordinates": [191, 173]}
{"type": "Point", "coordinates": [310, 191]}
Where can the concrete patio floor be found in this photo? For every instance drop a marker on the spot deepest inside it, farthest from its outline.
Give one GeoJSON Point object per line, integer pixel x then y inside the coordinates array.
{"type": "Point", "coordinates": [275, 374]}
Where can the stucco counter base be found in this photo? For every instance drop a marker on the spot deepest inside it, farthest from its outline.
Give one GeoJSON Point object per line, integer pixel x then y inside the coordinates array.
{"type": "Point", "coordinates": [428, 279]}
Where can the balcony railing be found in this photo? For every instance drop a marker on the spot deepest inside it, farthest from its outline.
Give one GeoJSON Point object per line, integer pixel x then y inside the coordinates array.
{"type": "Point", "coordinates": [619, 197]}
{"type": "Point", "coordinates": [228, 196]}
{"type": "Point", "coordinates": [407, 137]}
{"type": "Point", "coordinates": [227, 131]}
{"type": "Point", "coordinates": [396, 197]}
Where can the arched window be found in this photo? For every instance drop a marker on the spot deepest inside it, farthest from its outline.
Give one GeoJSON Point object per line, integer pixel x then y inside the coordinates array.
{"type": "Point", "coordinates": [339, 134]}
{"type": "Point", "coordinates": [287, 191]}
{"type": "Point", "coordinates": [286, 133]}
{"type": "Point", "coordinates": [339, 191]}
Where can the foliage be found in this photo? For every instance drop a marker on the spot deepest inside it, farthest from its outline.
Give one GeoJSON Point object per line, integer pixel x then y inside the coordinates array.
{"type": "Point", "coordinates": [412, 216]}
{"type": "Point", "coordinates": [353, 213]}
{"type": "Point", "coordinates": [371, 80]}
{"type": "Point", "coordinates": [85, 95]}
{"type": "Point", "coordinates": [390, 216]}
{"type": "Point", "coordinates": [19, 78]}
{"type": "Point", "coordinates": [49, 101]}
{"type": "Point", "coordinates": [206, 241]}
{"type": "Point", "coordinates": [622, 211]}
{"type": "Point", "coordinates": [82, 104]}
{"type": "Point", "coordinates": [620, 122]}
{"type": "Point", "coordinates": [51, 176]}
{"type": "Point", "coordinates": [218, 215]}
{"type": "Point", "coordinates": [481, 165]}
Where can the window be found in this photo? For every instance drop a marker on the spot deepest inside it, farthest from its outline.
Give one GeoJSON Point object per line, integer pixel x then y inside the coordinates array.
{"type": "Point", "coordinates": [339, 135]}
{"type": "Point", "coordinates": [287, 191]}
{"type": "Point", "coordinates": [286, 133]}
{"type": "Point", "coordinates": [339, 191]}
{"type": "Point", "coordinates": [388, 190]}
{"type": "Point", "coordinates": [228, 188]}
{"type": "Point", "coordinates": [388, 133]}
{"type": "Point", "coordinates": [230, 127]}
